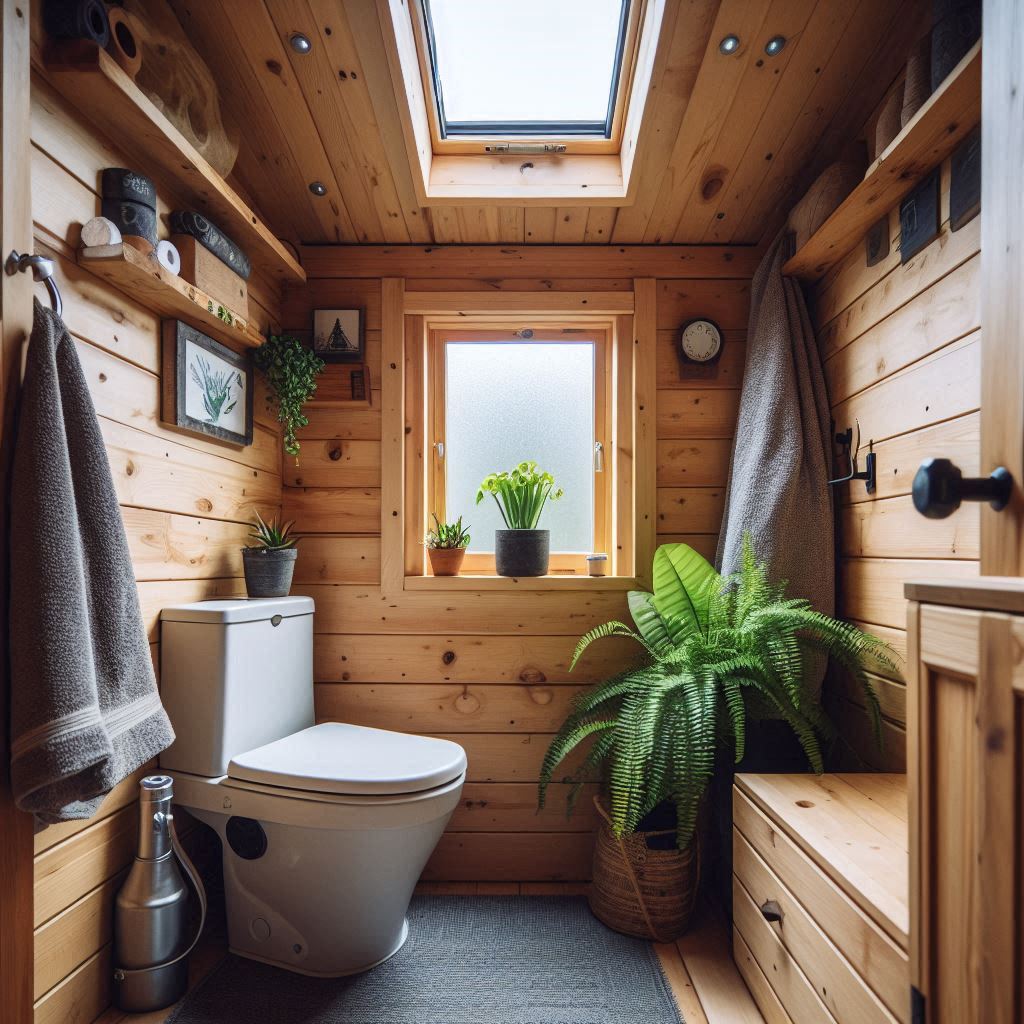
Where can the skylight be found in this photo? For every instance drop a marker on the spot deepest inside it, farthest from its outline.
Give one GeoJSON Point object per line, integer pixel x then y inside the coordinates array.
{"type": "Point", "coordinates": [526, 67]}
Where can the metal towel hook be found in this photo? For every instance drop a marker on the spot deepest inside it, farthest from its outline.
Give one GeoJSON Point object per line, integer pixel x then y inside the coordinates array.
{"type": "Point", "coordinates": [851, 451]}
{"type": "Point", "coordinates": [42, 270]}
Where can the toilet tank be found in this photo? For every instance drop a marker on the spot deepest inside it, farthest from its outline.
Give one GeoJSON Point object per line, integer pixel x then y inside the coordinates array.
{"type": "Point", "coordinates": [234, 675]}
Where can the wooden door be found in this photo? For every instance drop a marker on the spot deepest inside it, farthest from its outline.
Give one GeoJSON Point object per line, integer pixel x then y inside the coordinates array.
{"type": "Point", "coordinates": [1002, 274]}
{"type": "Point", "coordinates": [965, 742]}
{"type": "Point", "coordinates": [16, 948]}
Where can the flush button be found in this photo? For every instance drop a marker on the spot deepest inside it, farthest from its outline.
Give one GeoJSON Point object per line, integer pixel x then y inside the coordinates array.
{"type": "Point", "coordinates": [277, 620]}
{"type": "Point", "coordinates": [259, 929]}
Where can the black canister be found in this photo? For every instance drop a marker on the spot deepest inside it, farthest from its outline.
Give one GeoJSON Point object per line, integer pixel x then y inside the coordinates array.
{"type": "Point", "coordinates": [128, 186]}
{"type": "Point", "coordinates": [131, 218]}
{"type": "Point", "coordinates": [208, 235]}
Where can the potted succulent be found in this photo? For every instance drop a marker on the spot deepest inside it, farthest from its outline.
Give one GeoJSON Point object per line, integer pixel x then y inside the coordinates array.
{"type": "Point", "coordinates": [521, 549]}
{"type": "Point", "coordinates": [446, 547]}
{"type": "Point", "coordinates": [290, 370]}
{"type": "Point", "coordinates": [270, 562]}
{"type": "Point", "coordinates": [717, 652]}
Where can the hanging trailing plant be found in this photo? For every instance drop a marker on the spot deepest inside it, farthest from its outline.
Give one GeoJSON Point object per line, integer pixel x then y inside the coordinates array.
{"type": "Point", "coordinates": [290, 370]}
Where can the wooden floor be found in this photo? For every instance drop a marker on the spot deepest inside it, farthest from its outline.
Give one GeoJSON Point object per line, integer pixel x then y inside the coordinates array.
{"type": "Point", "coordinates": [707, 987]}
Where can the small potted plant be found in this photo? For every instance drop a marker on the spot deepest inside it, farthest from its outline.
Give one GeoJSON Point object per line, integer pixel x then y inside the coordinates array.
{"type": "Point", "coordinates": [446, 547]}
{"type": "Point", "coordinates": [270, 562]}
{"type": "Point", "coordinates": [521, 494]}
{"type": "Point", "coordinates": [290, 370]}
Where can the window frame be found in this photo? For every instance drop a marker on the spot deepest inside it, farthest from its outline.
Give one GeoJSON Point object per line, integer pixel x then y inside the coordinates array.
{"type": "Point", "coordinates": [482, 563]}
{"type": "Point", "coordinates": [480, 137]}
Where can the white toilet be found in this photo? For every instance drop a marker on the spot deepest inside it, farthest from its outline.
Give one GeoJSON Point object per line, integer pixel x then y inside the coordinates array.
{"type": "Point", "coordinates": [325, 828]}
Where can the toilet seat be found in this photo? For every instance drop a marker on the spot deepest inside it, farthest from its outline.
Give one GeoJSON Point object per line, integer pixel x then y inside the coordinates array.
{"type": "Point", "coordinates": [351, 760]}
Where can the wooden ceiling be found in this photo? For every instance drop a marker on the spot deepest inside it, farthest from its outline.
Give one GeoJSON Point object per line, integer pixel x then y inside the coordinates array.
{"type": "Point", "coordinates": [737, 138]}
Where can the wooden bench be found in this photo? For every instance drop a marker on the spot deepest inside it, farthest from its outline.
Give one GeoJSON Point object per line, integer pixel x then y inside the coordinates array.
{"type": "Point", "coordinates": [820, 912]}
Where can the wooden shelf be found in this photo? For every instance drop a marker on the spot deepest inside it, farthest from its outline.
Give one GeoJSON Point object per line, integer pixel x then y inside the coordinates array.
{"type": "Point", "coordinates": [108, 97]}
{"type": "Point", "coordinates": [948, 115]}
{"type": "Point", "coordinates": [139, 275]}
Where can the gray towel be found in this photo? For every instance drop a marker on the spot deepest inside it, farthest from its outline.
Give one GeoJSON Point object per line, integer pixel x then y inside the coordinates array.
{"type": "Point", "coordinates": [778, 482]}
{"type": "Point", "coordinates": [85, 711]}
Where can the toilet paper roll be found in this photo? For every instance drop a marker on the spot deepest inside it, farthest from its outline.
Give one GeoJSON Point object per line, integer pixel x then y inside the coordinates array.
{"type": "Point", "coordinates": [168, 257]}
{"type": "Point", "coordinates": [124, 44]}
{"type": "Point", "coordinates": [100, 231]}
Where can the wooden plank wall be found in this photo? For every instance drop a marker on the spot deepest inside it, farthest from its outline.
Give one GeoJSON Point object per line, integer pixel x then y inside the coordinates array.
{"type": "Point", "coordinates": [184, 502]}
{"type": "Point", "coordinates": [490, 669]}
{"type": "Point", "coordinates": [901, 346]}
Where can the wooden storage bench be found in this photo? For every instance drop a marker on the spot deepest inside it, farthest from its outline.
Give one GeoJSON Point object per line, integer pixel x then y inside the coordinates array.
{"type": "Point", "coordinates": [820, 896]}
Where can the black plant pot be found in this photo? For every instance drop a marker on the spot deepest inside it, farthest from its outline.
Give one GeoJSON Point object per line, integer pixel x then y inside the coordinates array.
{"type": "Point", "coordinates": [268, 573]}
{"type": "Point", "coordinates": [522, 552]}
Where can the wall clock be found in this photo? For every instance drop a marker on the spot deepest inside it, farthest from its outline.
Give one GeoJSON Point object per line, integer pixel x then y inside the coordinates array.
{"type": "Point", "coordinates": [700, 341]}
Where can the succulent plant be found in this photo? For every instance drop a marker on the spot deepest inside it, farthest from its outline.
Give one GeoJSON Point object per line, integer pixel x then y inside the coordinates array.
{"type": "Point", "coordinates": [447, 535]}
{"type": "Point", "coordinates": [270, 536]}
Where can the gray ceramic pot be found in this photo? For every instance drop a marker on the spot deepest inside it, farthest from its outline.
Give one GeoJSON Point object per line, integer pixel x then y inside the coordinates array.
{"type": "Point", "coordinates": [522, 552]}
{"type": "Point", "coordinates": [268, 573]}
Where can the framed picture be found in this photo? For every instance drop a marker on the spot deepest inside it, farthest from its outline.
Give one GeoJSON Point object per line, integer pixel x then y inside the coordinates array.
{"type": "Point", "coordinates": [207, 388]}
{"type": "Point", "coordinates": [338, 335]}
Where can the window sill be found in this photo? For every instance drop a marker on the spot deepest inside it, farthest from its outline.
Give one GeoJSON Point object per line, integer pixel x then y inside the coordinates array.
{"type": "Point", "coordinates": [488, 583]}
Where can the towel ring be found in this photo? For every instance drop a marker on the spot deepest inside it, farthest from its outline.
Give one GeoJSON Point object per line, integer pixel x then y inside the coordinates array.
{"type": "Point", "coordinates": [42, 270]}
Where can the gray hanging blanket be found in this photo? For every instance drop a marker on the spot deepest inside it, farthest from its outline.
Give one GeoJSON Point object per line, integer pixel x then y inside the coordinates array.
{"type": "Point", "coordinates": [85, 711]}
{"type": "Point", "coordinates": [778, 482]}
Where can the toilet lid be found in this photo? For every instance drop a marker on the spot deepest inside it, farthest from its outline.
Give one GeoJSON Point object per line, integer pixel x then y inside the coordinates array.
{"type": "Point", "coordinates": [351, 760]}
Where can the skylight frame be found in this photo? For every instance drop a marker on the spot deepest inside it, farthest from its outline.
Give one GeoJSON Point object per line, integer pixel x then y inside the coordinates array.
{"type": "Point", "coordinates": [571, 137]}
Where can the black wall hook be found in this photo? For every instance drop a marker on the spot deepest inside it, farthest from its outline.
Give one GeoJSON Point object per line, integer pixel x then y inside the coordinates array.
{"type": "Point", "coordinates": [851, 451]}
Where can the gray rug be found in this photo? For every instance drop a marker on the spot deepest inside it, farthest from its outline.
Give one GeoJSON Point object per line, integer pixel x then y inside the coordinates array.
{"type": "Point", "coordinates": [468, 960]}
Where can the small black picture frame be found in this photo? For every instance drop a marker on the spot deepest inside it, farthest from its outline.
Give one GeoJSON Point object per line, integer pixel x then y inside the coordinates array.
{"type": "Point", "coordinates": [339, 335]}
{"type": "Point", "coordinates": [206, 388]}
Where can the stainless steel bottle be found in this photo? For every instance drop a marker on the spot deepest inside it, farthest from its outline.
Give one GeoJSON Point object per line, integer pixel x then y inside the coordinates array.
{"type": "Point", "coordinates": [151, 934]}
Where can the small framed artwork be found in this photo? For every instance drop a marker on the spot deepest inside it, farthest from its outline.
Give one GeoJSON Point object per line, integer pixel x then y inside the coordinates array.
{"type": "Point", "coordinates": [338, 335]}
{"type": "Point", "coordinates": [207, 388]}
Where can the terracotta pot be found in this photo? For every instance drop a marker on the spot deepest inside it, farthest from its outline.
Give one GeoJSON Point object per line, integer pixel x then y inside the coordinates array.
{"type": "Point", "coordinates": [446, 561]}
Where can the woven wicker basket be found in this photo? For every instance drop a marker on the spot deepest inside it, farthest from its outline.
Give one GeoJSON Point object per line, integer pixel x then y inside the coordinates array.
{"type": "Point", "coordinates": [642, 892]}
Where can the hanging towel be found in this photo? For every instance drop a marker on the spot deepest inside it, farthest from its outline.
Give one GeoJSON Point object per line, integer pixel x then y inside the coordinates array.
{"type": "Point", "coordinates": [85, 711]}
{"type": "Point", "coordinates": [778, 481]}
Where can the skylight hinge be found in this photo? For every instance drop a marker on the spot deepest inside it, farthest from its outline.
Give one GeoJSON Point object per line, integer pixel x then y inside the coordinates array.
{"type": "Point", "coordinates": [525, 147]}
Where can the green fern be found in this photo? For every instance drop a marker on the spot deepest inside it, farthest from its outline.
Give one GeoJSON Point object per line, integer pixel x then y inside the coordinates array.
{"type": "Point", "coordinates": [719, 651]}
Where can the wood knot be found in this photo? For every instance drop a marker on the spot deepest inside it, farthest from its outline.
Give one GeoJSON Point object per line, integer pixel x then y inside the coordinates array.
{"type": "Point", "coordinates": [467, 704]}
{"type": "Point", "coordinates": [335, 453]}
{"type": "Point", "coordinates": [541, 696]}
{"type": "Point", "coordinates": [532, 675]}
{"type": "Point", "coordinates": [448, 657]}
{"type": "Point", "coordinates": [129, 468]}
{"type": "Point", "coordinates": [805, 803]}
{"type": "Point", "coordinates": [996, 739]}
{"type": "Point", "coordinates": [204, 505]}
{"type": "Point", "coordinates": [711, 188]}
{"type": "Point", "coordinates": [103, 378]}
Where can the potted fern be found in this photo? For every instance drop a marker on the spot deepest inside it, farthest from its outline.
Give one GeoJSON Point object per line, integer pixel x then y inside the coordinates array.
{"type": "Point", "coordinates": [270, 563]}
{"type": "Point", "coordinates": [521, 549]}
{"type": "Point", "coordinates": [446, 547]}
{"type": "Point", "coordinates": [717, 651]}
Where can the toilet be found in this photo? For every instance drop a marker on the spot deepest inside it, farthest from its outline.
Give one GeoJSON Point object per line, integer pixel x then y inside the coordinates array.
{"type": "Point", "coordinates": [325, 828]}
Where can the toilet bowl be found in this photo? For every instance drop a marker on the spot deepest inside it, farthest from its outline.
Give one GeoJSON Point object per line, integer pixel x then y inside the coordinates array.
{"type": "Point", "coordinates": [326, 828]}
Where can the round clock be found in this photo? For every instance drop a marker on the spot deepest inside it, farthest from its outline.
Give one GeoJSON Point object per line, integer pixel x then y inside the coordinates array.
{"type": "Point", "coordinates": [701, 341]}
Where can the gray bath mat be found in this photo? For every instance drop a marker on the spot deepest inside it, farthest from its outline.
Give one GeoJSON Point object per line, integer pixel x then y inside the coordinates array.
{"type": "Point", "coordinates": [468, 960]}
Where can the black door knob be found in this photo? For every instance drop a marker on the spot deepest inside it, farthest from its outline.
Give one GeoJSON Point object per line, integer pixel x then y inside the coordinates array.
{"type": "Point", "coordinates": [940, 487]}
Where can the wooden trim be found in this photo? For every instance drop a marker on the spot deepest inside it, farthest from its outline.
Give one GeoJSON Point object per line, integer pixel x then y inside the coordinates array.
{"type": "Point", "coordinates": [16, 889]}
{"type": "Point", "coordinates": [988, 593]}
{"type": "Point", "coordinates": [645, 380]}
{"type": "Point", "coordinates": [692, 262]}
{"type": "Point", "coordinates": [623, 557]}
{"type": "Point", "coordinates": [392, 443]}
{"type": "Point", "coordinates": [1002, 270]}
{"type": "Point", "coordinates": [417, 450]}
{"type": "Point", "coordinates": [558, 304]}
{"type": "Point", "coordinates": [490, 584]}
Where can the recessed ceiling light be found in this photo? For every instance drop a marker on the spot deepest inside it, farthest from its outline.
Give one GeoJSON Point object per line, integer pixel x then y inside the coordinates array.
{"type": "Point", "coordinates": [318, 188]}
{"type": "Point", "coordinates": [730, 44]}
{"type": "Point", "coordinates": [300, 43]}
{"type": "Point", "coordinates": [775, 45]}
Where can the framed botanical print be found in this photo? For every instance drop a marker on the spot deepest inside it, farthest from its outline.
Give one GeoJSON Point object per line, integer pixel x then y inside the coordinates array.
{"type": "Point", "coordinates": [207, 388]}
{"type": "Point", "coordinates": [338, 335]}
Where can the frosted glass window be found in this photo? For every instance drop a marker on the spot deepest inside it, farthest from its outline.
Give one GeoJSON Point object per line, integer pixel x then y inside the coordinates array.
{"type": "Point", "coordinates": [540, 65]}
{"type": "Point", "coordinates": [507, 403]}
